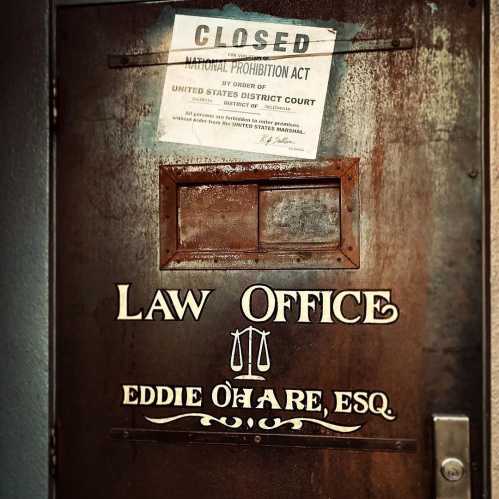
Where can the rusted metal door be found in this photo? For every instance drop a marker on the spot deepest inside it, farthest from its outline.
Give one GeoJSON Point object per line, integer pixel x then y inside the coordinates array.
{"type": "Point", "coordinates": [341, 291]}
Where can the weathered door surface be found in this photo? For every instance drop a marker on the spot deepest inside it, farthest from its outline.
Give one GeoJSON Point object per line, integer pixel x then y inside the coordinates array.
{"type": "Point", "coordinates": [273, 311]}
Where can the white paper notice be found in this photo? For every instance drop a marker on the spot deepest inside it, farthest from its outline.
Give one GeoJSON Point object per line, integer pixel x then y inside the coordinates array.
{"type": "Point", "coordinates": [246, 85]}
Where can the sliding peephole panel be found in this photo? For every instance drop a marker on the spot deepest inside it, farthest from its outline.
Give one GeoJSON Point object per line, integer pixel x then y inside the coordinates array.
{"type": "Point", "coordinates": [271, 215]}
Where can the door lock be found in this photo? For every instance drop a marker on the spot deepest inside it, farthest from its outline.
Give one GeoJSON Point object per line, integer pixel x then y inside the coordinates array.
{"type": "Point", "coordinates": [452, 462]}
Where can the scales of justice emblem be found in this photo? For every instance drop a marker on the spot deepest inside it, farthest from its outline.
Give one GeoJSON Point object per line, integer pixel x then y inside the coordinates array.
{"type": "Point", "coordinates": [237, 358]}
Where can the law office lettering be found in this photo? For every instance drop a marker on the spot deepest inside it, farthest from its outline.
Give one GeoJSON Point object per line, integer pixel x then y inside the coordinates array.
{"type": "Point", "coordinates": [224, 395]}
{"type": "Point", "coordinates": [313, 406]}
{"type": "Point", "coordinates": [373, 307]}
{"type": "Point", "coordinates": [261, 303]}
{"type": "Point", "coordinates": [250, 360]}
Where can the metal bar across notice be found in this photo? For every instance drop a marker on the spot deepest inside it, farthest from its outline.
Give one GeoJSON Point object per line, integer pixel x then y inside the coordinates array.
{"type": "Point", "coordinates": [117, 61]}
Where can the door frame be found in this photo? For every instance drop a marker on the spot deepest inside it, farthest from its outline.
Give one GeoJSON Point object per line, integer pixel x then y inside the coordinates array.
{"type": "Point", "coordinates": [27, 160]}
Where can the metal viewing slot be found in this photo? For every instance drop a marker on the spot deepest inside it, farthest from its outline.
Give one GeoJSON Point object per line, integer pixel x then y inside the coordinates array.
{"type": "Point", "coordinates": [273, 215]}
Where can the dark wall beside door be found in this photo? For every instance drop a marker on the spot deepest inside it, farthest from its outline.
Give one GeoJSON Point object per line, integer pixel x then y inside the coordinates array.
{"type": "Point", "coordinates": [24, 249]}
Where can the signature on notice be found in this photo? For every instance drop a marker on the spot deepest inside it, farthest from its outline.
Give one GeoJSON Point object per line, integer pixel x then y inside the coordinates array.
{"type": "Point", "coordinates": [270, 140]}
